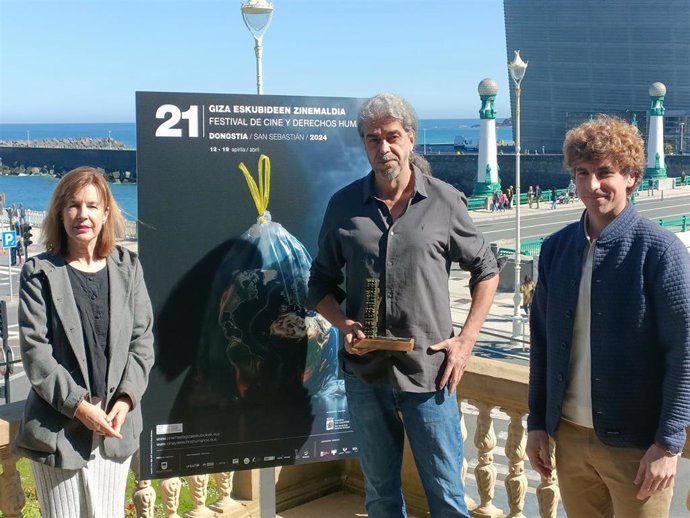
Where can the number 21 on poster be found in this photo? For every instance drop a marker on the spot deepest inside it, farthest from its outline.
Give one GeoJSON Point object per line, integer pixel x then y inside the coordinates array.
{"type": "Point", "coordinates": [175, 120]}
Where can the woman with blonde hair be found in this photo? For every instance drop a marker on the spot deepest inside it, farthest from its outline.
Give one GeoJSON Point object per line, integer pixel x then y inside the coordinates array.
{"type": "Point", "coordinates": [85, 329]}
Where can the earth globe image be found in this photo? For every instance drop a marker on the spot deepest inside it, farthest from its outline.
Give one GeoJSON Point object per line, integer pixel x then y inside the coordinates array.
{"type": "Point", "coordinates": [271, 344]}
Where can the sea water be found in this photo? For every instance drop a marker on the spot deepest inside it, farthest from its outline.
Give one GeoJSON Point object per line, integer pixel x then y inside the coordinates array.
{"type": "Point", "coordinates": [434, 131]}
{"type": "Point", "coordinates": [34, 193]}
{"type": "Point", "coordinates": [445, 131]}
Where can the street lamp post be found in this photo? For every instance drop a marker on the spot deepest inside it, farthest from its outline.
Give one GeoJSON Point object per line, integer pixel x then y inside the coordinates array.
{"type": "Point", "coordinates": [257, 15]}
{"type": "Point", "coordinates": [682, 127]}
{"type": "Point", "coordinates": [424, 130]}
{"type": "Point", "coordinates": [517, 71]}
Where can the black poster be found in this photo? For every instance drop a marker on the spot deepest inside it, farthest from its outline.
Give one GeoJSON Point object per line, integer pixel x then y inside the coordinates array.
{"type": "Point", "coordinates": [232, 191]}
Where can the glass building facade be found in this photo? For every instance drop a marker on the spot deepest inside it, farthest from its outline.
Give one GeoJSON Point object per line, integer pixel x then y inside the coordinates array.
{"type": "Point", "coordinates": [596, 56]}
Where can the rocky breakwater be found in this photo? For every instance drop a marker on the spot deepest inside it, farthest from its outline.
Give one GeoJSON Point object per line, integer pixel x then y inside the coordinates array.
{"type": "Point", "coordinates": [56, 156]}
{"type": "Point", "coordinates": [67, 143]}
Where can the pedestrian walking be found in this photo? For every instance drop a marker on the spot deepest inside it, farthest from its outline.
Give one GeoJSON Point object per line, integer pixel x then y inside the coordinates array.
{"type": "Point", "coordinates": [494, 201]}
{"type": "Point", "coordinates": [14, 225]}
{"type": "Point", "coordinates": [21, 213]}
{"type": "Point", "coordinates": [571, 191]}
{"type": "Point", "coordinates": [537, 195]}
{"type": "Point", "coordinates": [19, 250]}
{"type": "Point", "coordinates": [509, 195]}
{"type": "Point", "coordinates": [530, 196]}
{"type": "Point", "coordinates": [554, 197]}
{"type": "Point", "coordinates": [527, 291]}
{"type": "Point", "coordinates": [12, 213]}
{"type": "Point", "coordinates": [502, 202]}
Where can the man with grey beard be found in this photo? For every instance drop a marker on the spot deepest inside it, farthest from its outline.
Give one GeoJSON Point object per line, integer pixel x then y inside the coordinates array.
{"type": "Point", "coordinates": [404, 228]}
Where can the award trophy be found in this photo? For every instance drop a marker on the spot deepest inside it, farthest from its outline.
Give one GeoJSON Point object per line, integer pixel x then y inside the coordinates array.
{"type": "Point", "coordinates": [371, 320]}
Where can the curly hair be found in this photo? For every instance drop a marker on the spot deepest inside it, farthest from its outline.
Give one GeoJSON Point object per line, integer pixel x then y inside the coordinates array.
{"type": "Point", "coordinates": [606, 139]}
{"type": "Point", "coordinates": [393, 106]}
{"type": "Point", "coordinates": [387, 106]}
{"type": "Point", "coordinates": [54, 236]}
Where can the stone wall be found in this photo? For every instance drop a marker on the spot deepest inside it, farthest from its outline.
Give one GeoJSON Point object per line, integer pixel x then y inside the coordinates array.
{"type": "Point", "coordinates": [458, 170]}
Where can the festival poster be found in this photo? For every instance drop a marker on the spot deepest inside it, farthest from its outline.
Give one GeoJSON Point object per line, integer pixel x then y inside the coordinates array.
{"type": "Point", "coordinates": [232, 191]}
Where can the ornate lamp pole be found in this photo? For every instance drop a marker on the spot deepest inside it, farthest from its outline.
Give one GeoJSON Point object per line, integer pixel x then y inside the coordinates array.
{"type": "Point", "coordinates": [257, 15]}
{"type": "Point", "coordinates": [487, 181]}
{"type": "Point", "coordinates": [656, 160]}
{"type": "Point", "coordinates": [517, 71]}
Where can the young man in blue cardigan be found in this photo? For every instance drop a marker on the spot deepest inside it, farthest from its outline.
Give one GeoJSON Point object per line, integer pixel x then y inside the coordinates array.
{"type": "Point", "coordinates": [610, 339]}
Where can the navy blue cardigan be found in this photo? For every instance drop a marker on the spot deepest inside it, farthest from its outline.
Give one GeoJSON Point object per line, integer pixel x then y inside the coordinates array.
{"type": "Point", "coordinates": [640, 333]}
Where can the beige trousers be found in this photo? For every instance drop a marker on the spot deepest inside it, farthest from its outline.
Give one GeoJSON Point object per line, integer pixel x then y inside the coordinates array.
{"type": "Point", "coordinates": [596, 480]}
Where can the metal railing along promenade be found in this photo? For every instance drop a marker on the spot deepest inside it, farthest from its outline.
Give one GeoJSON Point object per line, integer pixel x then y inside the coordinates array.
{"type": "Point", "coordinates": [480, 202]}
{"type": "Point", "coordinates": [533, 246]}
{"type": "Point", "coordinates": [35, 219]}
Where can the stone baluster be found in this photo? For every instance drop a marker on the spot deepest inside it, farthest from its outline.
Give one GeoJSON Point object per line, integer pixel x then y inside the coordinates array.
{"type": "Point", "coordinates": [469, 501]}
{"type": "Point", "coordinates": [12, 499]}
{"type": "Point", "coordinates": [170, 494]}
{"type": "Point", "coordinates": [225, 503]}
{"type": "Point", "coordinates": [485, 472]}
{"type": "Point", "coordinates": [198, 487]}
{"type": "Point", "coordinates": [516, 482]}
{"type": "Point", "coordinates": [144, 496]}
{"type": "Point", "coordinates": [548, 492]}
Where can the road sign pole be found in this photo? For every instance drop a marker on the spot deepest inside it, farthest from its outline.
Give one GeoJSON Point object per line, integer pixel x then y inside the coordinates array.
{"type": "Point", "coordinates": [7, 355]}
{"type": "Point", "coordinates": [9, 241]}
{"type": "Point", "coordinates": [9, 272]}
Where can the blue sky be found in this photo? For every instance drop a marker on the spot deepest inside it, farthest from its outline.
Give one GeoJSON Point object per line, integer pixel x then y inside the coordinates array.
{"type": "Point", "coordinates": [83, 60]}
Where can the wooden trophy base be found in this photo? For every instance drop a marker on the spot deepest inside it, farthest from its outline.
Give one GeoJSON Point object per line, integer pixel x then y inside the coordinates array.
{"type": "Point", "coordinates": [383, 343]}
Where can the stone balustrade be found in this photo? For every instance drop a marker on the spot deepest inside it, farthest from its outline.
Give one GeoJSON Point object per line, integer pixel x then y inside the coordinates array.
{"type": "Point", "coordinates": [487, 385]}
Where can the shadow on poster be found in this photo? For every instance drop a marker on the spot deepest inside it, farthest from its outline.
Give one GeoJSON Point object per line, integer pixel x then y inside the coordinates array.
{"type": "Point", "coordinates": [232, 190]}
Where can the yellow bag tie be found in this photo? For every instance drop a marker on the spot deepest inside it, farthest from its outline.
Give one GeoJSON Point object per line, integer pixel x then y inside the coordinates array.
{"type": "Point", "coordinates": [260, 193]}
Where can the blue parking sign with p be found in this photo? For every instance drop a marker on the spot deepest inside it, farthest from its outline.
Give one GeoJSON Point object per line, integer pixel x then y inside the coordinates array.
{"type": "Point", "coordinates": [9, 239]}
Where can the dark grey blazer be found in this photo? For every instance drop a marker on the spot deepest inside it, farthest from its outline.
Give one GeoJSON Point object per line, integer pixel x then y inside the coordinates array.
{"type": "Point", "coordinates": [54, 358]}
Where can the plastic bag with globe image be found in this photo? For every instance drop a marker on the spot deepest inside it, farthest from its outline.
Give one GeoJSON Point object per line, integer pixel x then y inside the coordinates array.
{"type": "Point", "coordinates": [263, 351]}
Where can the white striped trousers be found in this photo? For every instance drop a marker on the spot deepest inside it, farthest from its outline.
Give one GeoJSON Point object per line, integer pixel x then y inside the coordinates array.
{"type": "Point", "coordinates": [95, 491]}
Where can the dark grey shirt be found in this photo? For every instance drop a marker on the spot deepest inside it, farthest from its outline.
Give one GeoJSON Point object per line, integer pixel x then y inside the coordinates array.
{"type": "Point", "coordinates": [411, 257]}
